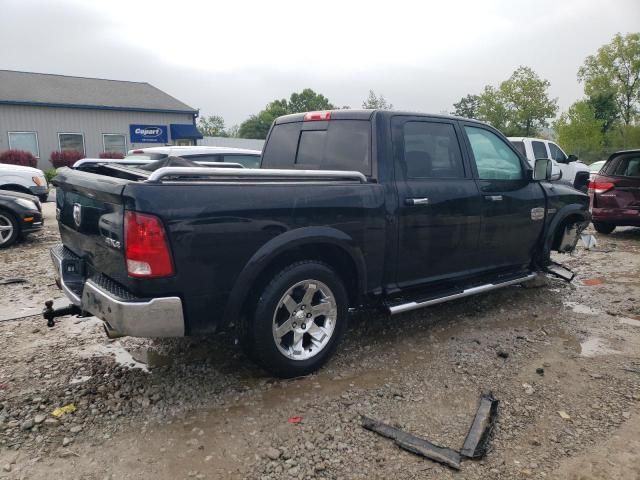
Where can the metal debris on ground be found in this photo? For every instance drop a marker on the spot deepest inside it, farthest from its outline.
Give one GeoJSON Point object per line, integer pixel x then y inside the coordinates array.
{"type": "Point", "coordinates": [414, 444]}
{"type": "Point", "coordinates": [475, 445]}
{"type": "Point", "coordinates": [8, 281]}
{"type": "Point", "coordinates": [560, 271]}
{"type": "Point", "coordinates": [477, 441]}
{"type": "Point", "coordinates": [590, 282]}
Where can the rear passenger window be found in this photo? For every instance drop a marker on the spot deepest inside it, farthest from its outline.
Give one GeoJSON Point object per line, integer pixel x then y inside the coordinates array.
{"type": "Point", "coordinates": [556, 153]}
{"type": "Point", "coordinates": [344, 145]}
{"type": "Point", "coordinates": [628, 167]}
{"type": "Point", "coordinates": [431, 150]}
{"type": "Point", "coordinates": [539, 150]}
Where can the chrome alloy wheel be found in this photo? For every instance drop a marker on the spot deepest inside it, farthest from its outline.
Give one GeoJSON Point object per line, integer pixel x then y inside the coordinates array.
{"type": "Point", "coordinates": [304, 320]}
{"type": "Point", "coordinates": [6, 229]}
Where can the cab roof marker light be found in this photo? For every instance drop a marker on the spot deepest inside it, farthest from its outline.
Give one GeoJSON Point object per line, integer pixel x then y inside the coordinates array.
{"type": "Point", "coordinates": [317, 116]}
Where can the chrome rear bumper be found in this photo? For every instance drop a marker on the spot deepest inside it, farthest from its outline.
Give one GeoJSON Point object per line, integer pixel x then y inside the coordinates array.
{"type": "Point", "coordinates": [122, 312]}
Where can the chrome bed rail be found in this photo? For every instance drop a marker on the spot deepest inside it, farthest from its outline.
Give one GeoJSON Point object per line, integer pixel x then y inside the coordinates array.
{"type": "Point", "coordinates": [248, 174]}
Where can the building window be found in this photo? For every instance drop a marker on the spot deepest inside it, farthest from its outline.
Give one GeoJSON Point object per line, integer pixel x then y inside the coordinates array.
{"type": "Point", "coordinates": [115, 142]}
{"type": "Point", "coordinates": [27, 141]}
{"type": "Point", "coordinates": [71, 141]}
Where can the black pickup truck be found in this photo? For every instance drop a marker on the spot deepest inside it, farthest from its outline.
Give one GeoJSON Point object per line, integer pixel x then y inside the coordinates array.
{"type": "Point", "coordinates": [350, 209]}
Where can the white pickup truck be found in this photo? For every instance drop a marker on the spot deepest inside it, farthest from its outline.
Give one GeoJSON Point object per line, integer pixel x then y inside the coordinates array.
{"type": "Point", "coordinates": [574, 172]}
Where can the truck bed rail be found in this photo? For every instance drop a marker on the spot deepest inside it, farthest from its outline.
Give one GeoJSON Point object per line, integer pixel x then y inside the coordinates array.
{"type": "Point", "coordinates": [248, 174]}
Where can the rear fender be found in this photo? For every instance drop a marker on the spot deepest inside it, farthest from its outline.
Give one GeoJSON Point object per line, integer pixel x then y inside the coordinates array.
{"type": "Point", "coordinates": [277, 247]}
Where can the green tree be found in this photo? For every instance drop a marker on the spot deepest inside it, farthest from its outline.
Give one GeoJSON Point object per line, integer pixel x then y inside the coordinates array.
{"type": "Point", "coordinates": [580, 131]}
{"type": "Point", "coordinates": [467, 106]}
{"type": "Point", "coordinates": [212, 126]}
{"type": "Point", "coordinates": [615, 70]}
{"type": "Point", "coordinates": [527, 100]}
{"type": "Point", "coordinates": [308, 101]}
{"type": "Point", "coordinates": [257, 126]}
{"type": "Point", "coordinates": [376, 102]}
{"type": "Point", "coordinates": [605, 109]}
{"type": "Point", "coordinates": [492, 108]}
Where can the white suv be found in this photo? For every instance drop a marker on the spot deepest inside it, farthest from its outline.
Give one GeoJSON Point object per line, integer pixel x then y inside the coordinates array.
{"type": "Point", "coordinates": [574, 172]}
{"type": "Point", "coordinates": [246, 158]}
{"type": "Point", "coordinates": [24, 179]}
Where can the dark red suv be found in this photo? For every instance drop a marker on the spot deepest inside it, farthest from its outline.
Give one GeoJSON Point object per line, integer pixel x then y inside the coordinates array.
{"type": "Point", "coordinates": [615, 192]}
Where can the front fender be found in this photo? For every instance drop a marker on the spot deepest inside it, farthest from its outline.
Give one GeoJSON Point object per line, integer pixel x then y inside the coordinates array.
{"type": "Point", "coordinates": [573, 209]}
{"type": "Point", "coordinates": [280, 245]}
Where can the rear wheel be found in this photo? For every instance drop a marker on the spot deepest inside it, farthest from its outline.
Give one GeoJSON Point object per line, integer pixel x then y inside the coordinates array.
{"type": "Point", "coordinates": [299, 319]}
{"type": "Point", "coordinates": [9, 229]}
{"type": "Point", "coordinates": [605, 228]}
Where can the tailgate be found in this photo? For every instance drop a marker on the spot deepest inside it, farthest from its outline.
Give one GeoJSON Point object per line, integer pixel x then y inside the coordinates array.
{"type": "Point", "coordinates": [90, 213]}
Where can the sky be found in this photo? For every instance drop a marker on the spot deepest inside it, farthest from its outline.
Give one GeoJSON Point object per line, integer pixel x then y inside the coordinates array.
{"type": "Point", "coordinates": [232, 58]}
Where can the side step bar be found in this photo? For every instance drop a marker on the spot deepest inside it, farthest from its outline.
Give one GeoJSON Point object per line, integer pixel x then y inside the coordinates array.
{"type": "Point", "coordinates": [406, 307]}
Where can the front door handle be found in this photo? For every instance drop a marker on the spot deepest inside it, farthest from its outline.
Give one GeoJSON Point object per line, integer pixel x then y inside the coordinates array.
{"type": "Point", "coordinates": [416, 201]}
{"type": "Point", "coordinates": [494, 198]}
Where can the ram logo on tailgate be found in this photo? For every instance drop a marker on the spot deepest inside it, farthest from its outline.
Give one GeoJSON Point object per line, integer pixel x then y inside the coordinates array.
{"type": "Point", "coordinates": [77, 214]}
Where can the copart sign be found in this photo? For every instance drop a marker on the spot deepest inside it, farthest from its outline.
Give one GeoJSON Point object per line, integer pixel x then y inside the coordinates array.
{"type": "Point", "coordinates": [148, 133]}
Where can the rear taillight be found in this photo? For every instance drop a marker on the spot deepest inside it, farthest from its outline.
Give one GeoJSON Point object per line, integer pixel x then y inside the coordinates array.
{"type": "Point", "coordinates": [317, 116]}
{"type": "Point", "coordinates": [600, 187]}
{"type": "Point", "coordinates": [138, 151]}
{"type": "Point", "coordinates": [146, 247]}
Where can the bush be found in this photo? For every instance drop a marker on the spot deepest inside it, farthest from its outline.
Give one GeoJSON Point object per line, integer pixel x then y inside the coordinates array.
{"type": "Point", "coordinates": [18, 157]}
{"type": "Point", "coordinates": [65, 158]}
{"type": "Point", "coordinates": [115, 155]}
{"type": "Point", "coordinates": [49, 174]}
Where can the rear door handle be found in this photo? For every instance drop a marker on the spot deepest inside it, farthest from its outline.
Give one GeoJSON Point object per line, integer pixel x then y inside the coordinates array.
{"type": "Point", "coordinates": [494, 198]}
{"type": "Point", "coordinates": [416, 201]}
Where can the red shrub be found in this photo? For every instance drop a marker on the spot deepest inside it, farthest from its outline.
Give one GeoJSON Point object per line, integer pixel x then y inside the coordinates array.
{"type": "Point", "coordinates": [115, 155]}
{"type": "Point", "coordinates": [18, 157]}
{"type": "Point", "coordinates": [65, 158]}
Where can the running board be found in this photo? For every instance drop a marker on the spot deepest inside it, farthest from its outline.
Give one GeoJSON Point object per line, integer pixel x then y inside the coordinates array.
{"type": "Point", "coordinates": [406, 307]}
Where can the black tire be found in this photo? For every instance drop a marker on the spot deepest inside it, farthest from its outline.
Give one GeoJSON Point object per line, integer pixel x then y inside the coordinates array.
{"type": "Point", "coordinates": [605, 228]}
{"type": "Point", "coordinates": [264, 346]}
{"type": "Point", "coordinates": [8, 219]}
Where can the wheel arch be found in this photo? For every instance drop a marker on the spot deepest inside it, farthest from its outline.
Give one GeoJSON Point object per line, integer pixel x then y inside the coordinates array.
{"type": "Point", "coordinates": [325, 244]}
{"type": "Point", "coordinates": [572, 213]}
{"type": "Point", "coordinates": [14, 187]}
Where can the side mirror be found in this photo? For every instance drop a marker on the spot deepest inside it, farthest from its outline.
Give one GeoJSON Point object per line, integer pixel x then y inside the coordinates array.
{"type": "Point", "coordinates": [572, 158]}
{"type": "Point", "coordinates": [542, 169]}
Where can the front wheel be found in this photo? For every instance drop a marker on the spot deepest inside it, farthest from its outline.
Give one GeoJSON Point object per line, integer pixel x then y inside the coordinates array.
{"type": "Point", "coordinates": [9, 229]}
{"type": "Point", "coordinates": [299, 319]}
{"type": "Point", "coordinates": [605, 228]}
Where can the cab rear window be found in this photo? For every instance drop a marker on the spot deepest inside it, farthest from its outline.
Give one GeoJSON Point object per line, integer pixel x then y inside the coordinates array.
{"type": "Point", "coordinates": [336, 145]}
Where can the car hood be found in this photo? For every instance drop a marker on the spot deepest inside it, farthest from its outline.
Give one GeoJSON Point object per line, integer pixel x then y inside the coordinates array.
{"type": "Point", "coordinates": [9, 195]}
{"type": "Point", "coordinates": [6, 168]}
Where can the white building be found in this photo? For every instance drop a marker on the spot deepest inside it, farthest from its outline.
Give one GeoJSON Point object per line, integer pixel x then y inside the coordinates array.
{"type": "Point", "coordinates": [43, 113]}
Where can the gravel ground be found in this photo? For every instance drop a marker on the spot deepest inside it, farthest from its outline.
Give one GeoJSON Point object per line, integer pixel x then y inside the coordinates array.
{"type": "Point", "coordinates": [564, 361]}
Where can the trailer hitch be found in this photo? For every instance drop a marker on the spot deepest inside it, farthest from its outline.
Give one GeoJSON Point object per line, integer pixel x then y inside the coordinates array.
{"type": "Point", "coordinates": [49, 313]}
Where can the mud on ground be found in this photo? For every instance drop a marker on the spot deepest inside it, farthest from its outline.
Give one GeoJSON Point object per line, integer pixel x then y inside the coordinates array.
{"type": "Point", "coordinates": [197, 408]}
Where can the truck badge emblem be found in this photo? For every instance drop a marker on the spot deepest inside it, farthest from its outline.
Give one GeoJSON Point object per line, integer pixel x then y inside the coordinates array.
{"type": "Point", "coordinates": [77, 214]}
{"type": "Point", "coordinates": [537, 213]}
